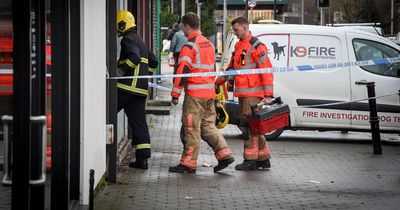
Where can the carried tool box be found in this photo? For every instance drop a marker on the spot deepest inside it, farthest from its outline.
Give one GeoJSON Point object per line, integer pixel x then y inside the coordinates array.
{"type": "Point", "coordinates": [269, 117]}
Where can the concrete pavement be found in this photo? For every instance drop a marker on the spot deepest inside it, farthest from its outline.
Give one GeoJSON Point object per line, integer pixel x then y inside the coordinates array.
{"type": "Point", "coordinates": [311, 173]}
{"type": "Point", "coordinates": [310, 170]}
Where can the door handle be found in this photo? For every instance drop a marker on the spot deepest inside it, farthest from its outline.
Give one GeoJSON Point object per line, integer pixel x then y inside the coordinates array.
{"type": "Point", "coordinates": [42, 121]}
{"type": "Point", "coordinates": [361, 82]}
{"type": "Point", "coordinates": [7, 179]}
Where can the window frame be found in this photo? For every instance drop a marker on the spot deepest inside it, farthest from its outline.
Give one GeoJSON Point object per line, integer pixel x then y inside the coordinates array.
{"type": "Point", "coordinates": [366, 43]}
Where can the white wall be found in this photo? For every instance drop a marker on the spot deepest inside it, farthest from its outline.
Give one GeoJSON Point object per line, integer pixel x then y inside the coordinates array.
{"type": "Point", "coordinates": [93, 93]}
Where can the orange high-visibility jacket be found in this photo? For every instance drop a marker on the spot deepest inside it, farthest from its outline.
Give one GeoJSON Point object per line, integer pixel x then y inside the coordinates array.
{"type": "Point", "coordinates": [197, 55]}
{"type": "Point", "coordinates": [250, 53]}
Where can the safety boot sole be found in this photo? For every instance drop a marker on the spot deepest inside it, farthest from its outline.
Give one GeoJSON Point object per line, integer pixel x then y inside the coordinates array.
{"type": "Point", "coordinates": [246, 166]}
{"type": "Point", "coordinates": [262, 165]}
{"type": "Point", "coordinates": [223, 164]}
{"type": "Point", "coordinates": [181, 169]}
{"type": "Point", "coordinates": [139, 165]}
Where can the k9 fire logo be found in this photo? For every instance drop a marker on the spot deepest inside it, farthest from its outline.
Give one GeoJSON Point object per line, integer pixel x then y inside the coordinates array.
{"type": "Point", "coordinates": [313, 52]}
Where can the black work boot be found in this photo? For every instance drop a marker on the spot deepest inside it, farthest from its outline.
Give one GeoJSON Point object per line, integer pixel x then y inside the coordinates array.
{"type": "Point", "coordinates": [139, 163]}
{"type": "Point", "coordinates": [181, 169]}
{"type": "Point", "coordinates": [247, 165]}
{"type": "Point", "coordinates": [223, 164]}
{"type": "Point", "coordinates": [263, 164]}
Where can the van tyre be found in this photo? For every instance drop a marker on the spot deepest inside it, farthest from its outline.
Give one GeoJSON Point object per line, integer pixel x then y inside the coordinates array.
{"type": "Point", "coordinates": [273, 135]}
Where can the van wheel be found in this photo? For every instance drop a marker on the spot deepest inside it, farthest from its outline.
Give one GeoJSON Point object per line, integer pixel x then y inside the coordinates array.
{"type": "Point", "coordinates": [273, 135]}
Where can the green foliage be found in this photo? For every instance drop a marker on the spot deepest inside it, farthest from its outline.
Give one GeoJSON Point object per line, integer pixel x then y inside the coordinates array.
{"type": "Point", "coordinates": [167, 19]}
{"type": "Point", "coordinates": [364, 11]}
{"type": "Point", "coordinates": [207, 14]}
{"type": "Point", "coordinates": [360, 11]}
{"type": "Point", "coordinates": [368, 12]}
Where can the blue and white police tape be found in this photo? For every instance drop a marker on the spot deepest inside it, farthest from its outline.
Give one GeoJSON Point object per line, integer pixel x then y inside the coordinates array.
{"type": "Point", "coordinates": [274, 70]}
{"type": "Point", "coordinates": [153, 85]}
{"type": "Point", "coordinates": [304, 106]}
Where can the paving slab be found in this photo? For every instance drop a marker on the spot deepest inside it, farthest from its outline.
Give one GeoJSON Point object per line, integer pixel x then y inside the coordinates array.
{"type": "Point", "coordinates": [306, 173]}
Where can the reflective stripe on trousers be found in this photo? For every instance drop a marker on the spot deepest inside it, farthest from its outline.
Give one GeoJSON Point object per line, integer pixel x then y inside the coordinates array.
{"type": "Point", "coordinates": [252, 153]}
{"type": "Point", "coordinates": [142, 146]}
{"type": "Point", "coordinates": [186, 160]}
{"type": "Point", "coordinates": [223, 153]}
{"type": "Point", "coordinates": [264, 152]}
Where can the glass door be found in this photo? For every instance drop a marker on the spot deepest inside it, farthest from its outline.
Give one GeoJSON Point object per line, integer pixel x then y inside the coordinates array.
{"type": "Point", "coordinates": [6, 94]}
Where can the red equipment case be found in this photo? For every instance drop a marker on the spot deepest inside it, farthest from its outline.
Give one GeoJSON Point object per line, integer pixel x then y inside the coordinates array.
{"type": "Point", "coordinates": [269, 117]}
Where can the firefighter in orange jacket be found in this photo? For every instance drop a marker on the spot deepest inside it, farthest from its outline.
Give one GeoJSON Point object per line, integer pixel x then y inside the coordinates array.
{"type": "Point", "coordinates": [251, 89]}
{"type": "Point", "coordinates": [198, 114]}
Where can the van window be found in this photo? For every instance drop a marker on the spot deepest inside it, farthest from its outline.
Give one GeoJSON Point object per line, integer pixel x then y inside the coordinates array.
{"type": "Point", "coordinates": [370, 50]}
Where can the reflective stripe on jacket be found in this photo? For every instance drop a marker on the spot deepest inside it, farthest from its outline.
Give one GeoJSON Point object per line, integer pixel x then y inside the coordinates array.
{"type": "Point", "coordinates": [135, 59]}
{"type": "Point", "coordinates": [250, 53]}
{"type": "Point", "coordinates": [196, 56]}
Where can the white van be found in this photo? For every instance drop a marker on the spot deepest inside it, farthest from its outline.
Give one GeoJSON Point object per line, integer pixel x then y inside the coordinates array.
{"type": "Point", "coordinates": [368, 27]}
{"type": "Point", "coordinates": [294, 45]}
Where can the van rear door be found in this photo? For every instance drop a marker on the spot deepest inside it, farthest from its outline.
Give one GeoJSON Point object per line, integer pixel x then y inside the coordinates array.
{"type": "Point", "coordinates": [386, 78]}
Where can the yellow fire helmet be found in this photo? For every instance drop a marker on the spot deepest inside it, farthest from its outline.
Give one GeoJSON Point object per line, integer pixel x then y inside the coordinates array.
{"type": "Point", "coordinates": [222, 116]}
{"type": "Point", "coordinates": [125, 21]}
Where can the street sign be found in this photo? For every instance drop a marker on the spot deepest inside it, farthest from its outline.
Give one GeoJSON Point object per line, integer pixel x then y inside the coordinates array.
{"type": "Point", "coordinates": [322, 3]}
{"type": "Point", "coordinates": [252, 3]}
{"type": "Point", "coordinates": [337, 16]}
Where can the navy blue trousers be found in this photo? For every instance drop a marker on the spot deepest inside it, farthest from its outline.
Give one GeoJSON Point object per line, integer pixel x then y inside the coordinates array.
{"type": "Point", "coordinates": [134, 107]}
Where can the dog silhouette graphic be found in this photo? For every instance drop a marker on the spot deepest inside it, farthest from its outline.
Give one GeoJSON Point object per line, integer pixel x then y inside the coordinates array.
{"type": "Point", "coordinates": [278, 50]}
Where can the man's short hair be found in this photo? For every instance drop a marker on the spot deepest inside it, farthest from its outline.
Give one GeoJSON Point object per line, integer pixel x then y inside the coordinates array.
{"type": "Point", "coordinates": [191, 19]}
{"type": "Point", "coordinates": [240, 21]}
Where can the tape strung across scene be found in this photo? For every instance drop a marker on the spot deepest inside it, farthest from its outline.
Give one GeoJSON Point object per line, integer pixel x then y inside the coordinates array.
{"type": "Point", "coordinates": [305, 106]}
{"type": "Point", "coordinates": [274, 70]}
{"type": "Point", "coordinates": [280, 70]}
{"type": "Point", "coordinates": [153, 85]}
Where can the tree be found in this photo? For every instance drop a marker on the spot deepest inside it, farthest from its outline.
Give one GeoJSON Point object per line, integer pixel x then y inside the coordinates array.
{"type": "Point", "coordinates": [167, 19]}
{"type": "Point", "coordinates": [207, 14]}
{"type": "Point", "coordinates": [311, 13]}
{"type": "Point", "coordinates": [360, 11]}
{"type": "Point", "coordinates": [351, 10]}
{"type": "Point", "coordinates": [368, 12]}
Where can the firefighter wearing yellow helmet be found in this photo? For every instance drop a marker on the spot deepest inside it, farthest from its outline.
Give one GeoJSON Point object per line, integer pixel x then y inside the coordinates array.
{"type": "Point", "coordinates": [135, 59]}
{"type": "Point", "coordinates": [125, 22]}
